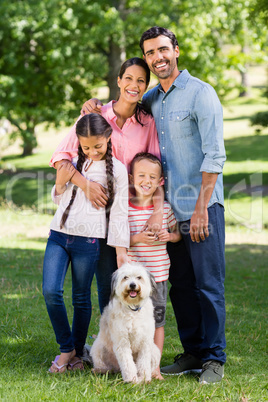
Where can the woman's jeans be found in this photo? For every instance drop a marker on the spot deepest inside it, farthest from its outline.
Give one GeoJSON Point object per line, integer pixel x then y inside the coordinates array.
{"type": "Point", "coordinates": [105, 268]}
{"type": "Point", "coordinates": [83, 254]}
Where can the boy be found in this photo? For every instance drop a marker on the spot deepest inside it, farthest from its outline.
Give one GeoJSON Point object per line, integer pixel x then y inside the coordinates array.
{"type": "Point", "coordinates": [145, 246]}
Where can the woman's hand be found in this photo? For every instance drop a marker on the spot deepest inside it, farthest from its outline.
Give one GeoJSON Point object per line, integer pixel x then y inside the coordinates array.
{"type": "Point", "coordinates": [96, 194]}
{"type": "Point", "coordinates": [91, 106]}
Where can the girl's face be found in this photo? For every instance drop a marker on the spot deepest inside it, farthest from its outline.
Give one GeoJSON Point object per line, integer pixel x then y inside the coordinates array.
{"type": "Point", "coordinates": [132, 84]}
{"type": "Point", "coordinates": [94, 147]}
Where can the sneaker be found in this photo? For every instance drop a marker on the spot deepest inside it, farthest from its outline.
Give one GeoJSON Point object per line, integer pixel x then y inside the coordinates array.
{"type": "Point", "coordinates": [212, 372]}
{"type": "Point", "coordinates": [183, 364]}
{"type": "Point", "coordinates": [86, 355]}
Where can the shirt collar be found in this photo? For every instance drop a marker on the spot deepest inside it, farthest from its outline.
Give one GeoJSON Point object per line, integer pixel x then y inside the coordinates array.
{"type": "Point", "coordinates": [112, 116]}
{"type": "Point", "coordinates": [179, 82]}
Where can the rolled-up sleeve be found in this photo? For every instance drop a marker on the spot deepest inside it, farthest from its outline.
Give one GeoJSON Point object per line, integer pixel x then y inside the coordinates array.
{"type": "Point", "coordinates": [118, 229]}
{"type": "Point", "coordinates": [209, 118]}
{"type": "Point", "coordinates": [68, 147]}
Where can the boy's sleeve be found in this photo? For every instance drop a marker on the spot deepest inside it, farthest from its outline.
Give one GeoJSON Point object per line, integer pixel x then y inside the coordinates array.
{"type": "Point", "coordinates": [68, 147]}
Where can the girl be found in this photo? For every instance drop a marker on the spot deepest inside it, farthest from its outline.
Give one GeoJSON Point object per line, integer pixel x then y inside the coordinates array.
{"type": "Point", "coordinates": [133, 131]}
{"type": "Point", "coordinates": [76, 230]}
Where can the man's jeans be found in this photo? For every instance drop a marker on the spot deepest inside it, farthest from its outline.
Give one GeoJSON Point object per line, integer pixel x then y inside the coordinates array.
{"type": "Point", "coordinates": [197, 276]}
{"type": "Point", "coordinates": [83, 254]}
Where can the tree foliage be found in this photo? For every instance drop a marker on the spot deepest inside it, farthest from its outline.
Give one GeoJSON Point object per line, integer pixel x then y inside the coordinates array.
{"type": "Point", "coordinates": [54, 52]}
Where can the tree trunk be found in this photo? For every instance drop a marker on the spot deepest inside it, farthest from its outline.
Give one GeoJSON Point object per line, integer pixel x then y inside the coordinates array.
{"type": "Point", "coordinates": [244, 76]}
{"type": "Point", "coordinates": [29, 141]}
{"type": "Point", "coordinates": [116, 57]}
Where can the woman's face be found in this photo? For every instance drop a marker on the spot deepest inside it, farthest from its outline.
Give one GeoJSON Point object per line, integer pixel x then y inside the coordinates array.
{"type": "Point", "coordinates": [132, 84]}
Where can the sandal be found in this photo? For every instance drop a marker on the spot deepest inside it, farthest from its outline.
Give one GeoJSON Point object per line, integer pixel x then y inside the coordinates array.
{"type": "Point", "coordinates": [71, 366]}
{"type": "Point", "coordinates": [57, 366]}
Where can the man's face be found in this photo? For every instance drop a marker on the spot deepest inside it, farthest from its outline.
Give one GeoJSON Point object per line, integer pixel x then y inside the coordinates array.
{"type": "Point", "coordinates": [160, 56]}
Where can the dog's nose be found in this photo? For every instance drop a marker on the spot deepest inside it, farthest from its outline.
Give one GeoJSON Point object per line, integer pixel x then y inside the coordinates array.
{"type": "Point", "coordinates": [132, 285]}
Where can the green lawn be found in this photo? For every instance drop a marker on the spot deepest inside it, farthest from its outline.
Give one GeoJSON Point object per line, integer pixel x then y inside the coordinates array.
{"type": "Point", "coordinates": [27, 342]}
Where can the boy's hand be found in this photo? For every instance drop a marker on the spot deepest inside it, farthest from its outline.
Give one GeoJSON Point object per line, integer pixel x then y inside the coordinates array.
{"type": "Point", "coordinates": [146, 237]}
{"type": "Point", "coordinates": [164, 235]}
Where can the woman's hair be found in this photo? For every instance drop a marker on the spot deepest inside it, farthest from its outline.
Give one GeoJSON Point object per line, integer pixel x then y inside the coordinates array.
{"type": "Point", "coordinates": [93, 125]}
{"type": "Point", "coordinates": [137, 61]}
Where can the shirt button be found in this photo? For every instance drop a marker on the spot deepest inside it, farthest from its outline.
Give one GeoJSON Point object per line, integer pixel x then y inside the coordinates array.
{"type": "Point", "coordinates": [165, 178]}
{"type": "Point", "coordinates": [164, 163]}
{"type": "Point", "coordinates": [178, 117]}
{"type": "Point", "coordinates": [163, 148]}
{"type": "Point", "coordinates": [162, 132]}
{"type": "Point", "coordinates": [167, 192]}
{"type": "Point", "coordinates": [162, 117]}
{"type": "Point", "coordinates": [164, 101]}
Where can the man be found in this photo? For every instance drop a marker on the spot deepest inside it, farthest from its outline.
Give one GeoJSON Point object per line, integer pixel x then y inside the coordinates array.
{"type": "Point", "coordinates": [189, 123]}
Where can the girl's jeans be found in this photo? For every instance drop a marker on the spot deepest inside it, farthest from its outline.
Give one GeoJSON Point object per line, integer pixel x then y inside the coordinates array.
{"type": "Point", "coordinates": [83, 254]}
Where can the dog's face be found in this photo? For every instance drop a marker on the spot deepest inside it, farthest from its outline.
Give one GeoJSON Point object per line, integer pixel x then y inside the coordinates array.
{"type": "Point", "coordinates": [132, 284]}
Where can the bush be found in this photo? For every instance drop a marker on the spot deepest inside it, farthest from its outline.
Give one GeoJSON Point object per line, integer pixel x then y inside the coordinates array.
{"type": "Point", "coordinates": [259, 119]}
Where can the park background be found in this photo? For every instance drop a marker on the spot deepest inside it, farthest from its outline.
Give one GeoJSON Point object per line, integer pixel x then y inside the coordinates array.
{"type": "Point", "coordinates": [53, 56]}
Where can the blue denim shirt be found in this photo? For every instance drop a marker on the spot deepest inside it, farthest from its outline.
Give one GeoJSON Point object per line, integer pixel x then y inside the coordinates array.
{"type": "Point", "coordinates": [189, 123]}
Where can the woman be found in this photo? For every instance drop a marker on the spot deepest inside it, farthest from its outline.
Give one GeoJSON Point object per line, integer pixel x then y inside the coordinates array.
{"type": "Point", "coordinates": [133, 131]}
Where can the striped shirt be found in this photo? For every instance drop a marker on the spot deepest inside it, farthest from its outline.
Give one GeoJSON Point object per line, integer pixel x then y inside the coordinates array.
{"type": "Point", "coordinates": [154, 256]}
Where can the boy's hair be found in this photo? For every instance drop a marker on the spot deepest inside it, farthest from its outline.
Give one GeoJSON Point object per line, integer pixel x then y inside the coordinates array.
{"type": "Point", "coordinates": [93, 125]}
{"type": "Point", "coordinates": [156, 31]}
{"type": "Point", "coordinates": [145, 155]}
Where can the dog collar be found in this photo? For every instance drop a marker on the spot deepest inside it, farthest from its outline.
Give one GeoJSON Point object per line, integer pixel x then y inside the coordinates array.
{"type": "Point", "coordinates": [134, 309]}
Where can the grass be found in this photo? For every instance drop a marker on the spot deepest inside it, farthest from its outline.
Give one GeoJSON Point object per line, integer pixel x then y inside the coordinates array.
{"type": "Point", "coordinates": [27, 342]}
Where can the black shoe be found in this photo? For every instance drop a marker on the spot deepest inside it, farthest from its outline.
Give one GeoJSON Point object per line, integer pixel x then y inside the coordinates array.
{"type": "Point", "coordinates": [183, 364]}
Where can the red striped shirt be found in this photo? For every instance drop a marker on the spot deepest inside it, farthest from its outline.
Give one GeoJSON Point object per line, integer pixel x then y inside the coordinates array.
{"type": "Point", "coordinates": [154, 256]}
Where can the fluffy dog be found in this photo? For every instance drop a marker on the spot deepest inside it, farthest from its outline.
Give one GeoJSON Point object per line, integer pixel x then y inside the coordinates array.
{"type": "Point", "coordinates": [126, 337]}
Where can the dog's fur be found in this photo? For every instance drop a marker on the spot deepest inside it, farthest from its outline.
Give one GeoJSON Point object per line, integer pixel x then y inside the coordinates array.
{"type": "Point", "coordinates": [126, 337]}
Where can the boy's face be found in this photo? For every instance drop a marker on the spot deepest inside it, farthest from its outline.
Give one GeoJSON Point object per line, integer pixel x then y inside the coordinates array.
{"type": "Point", "coordinates": [146, 177]}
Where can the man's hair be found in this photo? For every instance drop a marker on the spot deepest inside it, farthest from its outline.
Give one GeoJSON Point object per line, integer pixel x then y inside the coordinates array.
{"type": "Point", "coordinates": [145, 155]}
{"type": "Point", "coordinates": [154, 32]}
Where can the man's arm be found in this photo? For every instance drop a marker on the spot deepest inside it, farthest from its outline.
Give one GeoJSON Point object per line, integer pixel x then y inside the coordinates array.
{"type": "Point", "coordinates": [199, 221]}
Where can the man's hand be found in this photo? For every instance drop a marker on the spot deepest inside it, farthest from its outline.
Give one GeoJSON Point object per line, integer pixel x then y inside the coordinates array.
{"type": "Point", "coordinates": [199, 224]}
{"type": "Point", "coordinates": [154, 223]}
{"type": "Point", "coordinates": [91, 106]}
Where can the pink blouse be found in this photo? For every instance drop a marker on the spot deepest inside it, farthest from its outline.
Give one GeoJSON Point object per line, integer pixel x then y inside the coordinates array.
{"type": "Point", "coordinates": [126, 142]}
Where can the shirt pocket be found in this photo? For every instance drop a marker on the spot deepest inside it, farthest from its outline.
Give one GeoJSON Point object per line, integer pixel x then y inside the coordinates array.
{"type": "Point", "coordinates": [180, 123]}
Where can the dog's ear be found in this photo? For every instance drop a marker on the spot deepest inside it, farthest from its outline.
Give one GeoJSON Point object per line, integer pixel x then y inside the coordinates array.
{"type": "Point", "coordinates": [113, 283]}
{"type": "Point", "coordinates": [153, 283]}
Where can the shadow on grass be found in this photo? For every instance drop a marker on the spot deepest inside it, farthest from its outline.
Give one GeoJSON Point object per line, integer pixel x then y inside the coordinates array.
{"type": "Point", "coordinates": [247, 148]}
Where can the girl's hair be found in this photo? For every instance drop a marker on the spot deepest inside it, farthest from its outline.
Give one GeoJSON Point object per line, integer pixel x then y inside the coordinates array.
{"type": "Point", "coordinates": [93, 125]}
{"type": "Point", "coordinates": [137, 61]}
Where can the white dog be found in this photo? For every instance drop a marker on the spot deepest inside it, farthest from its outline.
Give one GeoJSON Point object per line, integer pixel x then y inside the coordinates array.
{"type": "Point", "coordinates": [126, 338]}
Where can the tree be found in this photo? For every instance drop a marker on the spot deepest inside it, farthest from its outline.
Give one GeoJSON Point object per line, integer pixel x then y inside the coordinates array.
{"type": "Point", "coordinates": [46, 63]}
{"type": "Point", "coordinates": [53, 53]}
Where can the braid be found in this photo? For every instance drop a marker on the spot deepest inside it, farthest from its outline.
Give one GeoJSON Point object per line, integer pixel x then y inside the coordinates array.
{"type": "Point", "coordinates": [80, 162]}
{"type": "Point", "coordinates": [110, 175]}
